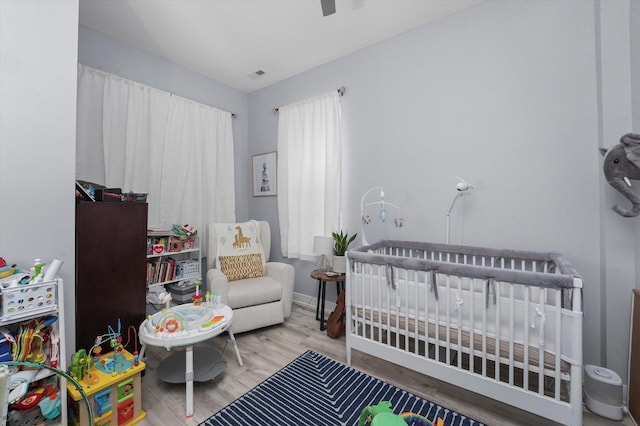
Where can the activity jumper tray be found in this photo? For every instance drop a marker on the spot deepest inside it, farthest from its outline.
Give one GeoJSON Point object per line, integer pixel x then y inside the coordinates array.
{"type": "Point", "coordinates": [184, 324]}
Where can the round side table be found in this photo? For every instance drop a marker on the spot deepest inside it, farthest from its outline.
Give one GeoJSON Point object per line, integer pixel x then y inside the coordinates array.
{"type": "Point", "coordinates": [323, 278]}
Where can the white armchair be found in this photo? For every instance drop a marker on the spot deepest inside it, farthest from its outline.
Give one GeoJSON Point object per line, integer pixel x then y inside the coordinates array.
{"type": "Point", "coordinates": [256, 302]}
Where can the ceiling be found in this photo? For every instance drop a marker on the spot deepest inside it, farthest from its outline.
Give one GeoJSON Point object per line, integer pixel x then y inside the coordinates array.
{"type": "Point", "coordinates": [230, 40]}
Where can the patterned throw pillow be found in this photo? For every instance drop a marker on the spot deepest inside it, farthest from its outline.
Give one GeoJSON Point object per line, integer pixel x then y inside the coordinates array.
{"type": "Point", "coordinates": [242, 266]}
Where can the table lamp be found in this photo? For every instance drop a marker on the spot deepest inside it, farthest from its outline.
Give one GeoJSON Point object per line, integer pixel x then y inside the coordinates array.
{"type": "Point", "coordinates": [323, 247]}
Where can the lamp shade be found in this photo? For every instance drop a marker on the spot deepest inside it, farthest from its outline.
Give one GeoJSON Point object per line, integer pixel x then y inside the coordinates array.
{"type": "Point", "coordinates": [323, 246]}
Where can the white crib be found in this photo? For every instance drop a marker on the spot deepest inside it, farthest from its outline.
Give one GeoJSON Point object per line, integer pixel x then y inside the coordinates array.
{"type": "Point", "coordinates": [503, 323]}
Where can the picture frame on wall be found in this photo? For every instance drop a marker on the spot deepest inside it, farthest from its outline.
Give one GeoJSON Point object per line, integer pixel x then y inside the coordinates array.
{"type": "Point", "coordinates": [265, 174]}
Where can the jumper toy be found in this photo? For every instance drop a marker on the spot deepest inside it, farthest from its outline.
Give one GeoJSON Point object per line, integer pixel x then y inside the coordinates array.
{"type": "Point", "coordinates": [197, 298]}
{"type": "Point", "coordinates": [183, 326]}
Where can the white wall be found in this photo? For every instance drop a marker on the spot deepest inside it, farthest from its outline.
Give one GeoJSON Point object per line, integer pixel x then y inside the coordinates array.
{"type": "Point", "coordinates": [508, 95]}
{"type": "Point", "coordinates": [619, 235]}
{"type": "Point", "coordinates": [38, 80]}
{"type": "Point", "coordinates": [634, 26]}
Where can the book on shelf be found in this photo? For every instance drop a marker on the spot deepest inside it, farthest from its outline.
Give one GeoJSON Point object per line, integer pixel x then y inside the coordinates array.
{"type": "Point", "coordinates": [161, 270]}
{"type": "Point", "coordinates": [159, 232]}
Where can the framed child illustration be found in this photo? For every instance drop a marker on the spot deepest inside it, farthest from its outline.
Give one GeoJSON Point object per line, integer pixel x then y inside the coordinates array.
{"type": "Point", "coordinates": [265, 174]}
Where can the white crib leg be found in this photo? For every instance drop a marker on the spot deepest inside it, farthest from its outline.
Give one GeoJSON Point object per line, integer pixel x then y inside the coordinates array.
{"type": "Point", "coordinates": [576, 395]}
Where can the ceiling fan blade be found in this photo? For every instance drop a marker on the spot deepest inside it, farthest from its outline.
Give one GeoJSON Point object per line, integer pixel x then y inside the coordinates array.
{"type": "Point", "coordinates": [328, 7]}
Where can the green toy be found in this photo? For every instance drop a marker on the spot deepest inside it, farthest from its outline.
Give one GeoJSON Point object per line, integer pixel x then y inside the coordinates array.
{"type": "Point", "coordinates": [380, 415]}
{"type": "Point", "coordinates": [79, 365]}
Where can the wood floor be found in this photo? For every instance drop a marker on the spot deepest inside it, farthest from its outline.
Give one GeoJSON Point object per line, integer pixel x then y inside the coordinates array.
{"type": "Point", "coordinates": [267, 350]}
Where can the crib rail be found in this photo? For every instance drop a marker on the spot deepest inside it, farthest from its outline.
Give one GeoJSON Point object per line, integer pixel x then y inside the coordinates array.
{"type": "Point", "coordinates": [441, 251]}
{"type": "Point", "coordinates": [535, 269]}
{"type": "Point", "coordinates": [512, 319]}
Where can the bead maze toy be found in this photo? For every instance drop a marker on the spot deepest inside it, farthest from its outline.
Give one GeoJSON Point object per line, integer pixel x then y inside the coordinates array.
{"type": "Point", "coordinates": [112, 363]}
{"type": "Point", "coordinates": [111, 381]}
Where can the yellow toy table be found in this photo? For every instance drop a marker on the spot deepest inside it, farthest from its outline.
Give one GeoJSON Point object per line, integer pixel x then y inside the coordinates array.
{"type": "Point", "coordinates": [114, 391]}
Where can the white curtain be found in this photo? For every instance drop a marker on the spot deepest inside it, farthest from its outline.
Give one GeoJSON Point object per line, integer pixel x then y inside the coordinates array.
{"type": "Point", "coordinates": [141, 139]}
{"type": "Point", "coordinates": [309, 173]}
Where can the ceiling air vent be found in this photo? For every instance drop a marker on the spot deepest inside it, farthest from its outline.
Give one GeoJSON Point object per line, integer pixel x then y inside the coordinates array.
{"type": "Point", "coordinates": [257, 74]}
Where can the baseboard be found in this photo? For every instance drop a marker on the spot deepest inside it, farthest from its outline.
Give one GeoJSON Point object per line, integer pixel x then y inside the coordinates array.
{"type": "Point", "coordinates": [311, 302]}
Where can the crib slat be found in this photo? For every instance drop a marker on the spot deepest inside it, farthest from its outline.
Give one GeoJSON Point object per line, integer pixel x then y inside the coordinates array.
{"type": "Point", "coordinates": [437, 317]}
{"type": "Point", "coordinates": [448, 335]}
{"type": "Point", "coordinates": [511, 333]}
{"type": "Point", "coordinates": [397, 321]}
{"type": "Point", "coordinates": [498, 334]}
{"type": "Point", "coordinates": [525, 325]}
{"type": "Point", "coordinates": [416, 327]}
{"type": "Point", "coordinates": [558, 341]}
{"type": "Point", "coordinates": [406, 308]}
{"type": "Point", "coordinates": [541, 320]}
{"type": "Point", "coordinates": [390, 301]}
{"type": "Point", "coordinates": [484, 333]}
{"type": "Point", "coordinates": [472, 326]}
{"type": "Point", "coordinates": [459, 302]}
{"type": "Point", "coordinates": [427, 311]}
{"type": "Point", "coordinates": [370, 304]}
{"type": "Point", "coordinates": [380, 312]}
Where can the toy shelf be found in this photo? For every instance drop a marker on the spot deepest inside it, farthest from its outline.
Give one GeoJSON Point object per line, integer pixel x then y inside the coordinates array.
{"type": "Point", "coordinates": [172, 259]}
{"type": "Point", "coordinates": [25, 309]}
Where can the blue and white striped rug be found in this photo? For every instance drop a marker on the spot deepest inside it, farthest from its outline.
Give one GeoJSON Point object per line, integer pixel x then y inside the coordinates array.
{"type": "Point", "coordinates": [316, 390]}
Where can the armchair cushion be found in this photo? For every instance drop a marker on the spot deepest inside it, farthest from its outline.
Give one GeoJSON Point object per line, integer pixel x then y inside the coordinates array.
{"type": "Point", "coordinates": [242, 266]}
{"type": "Point", "coordinates": [253, 291]}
